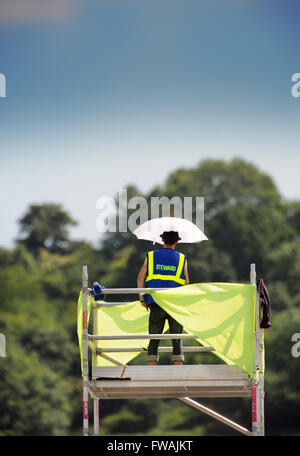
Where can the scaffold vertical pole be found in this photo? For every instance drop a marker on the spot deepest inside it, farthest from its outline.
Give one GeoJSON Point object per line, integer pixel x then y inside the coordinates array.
{"type": "Point", "coordinates": [257, 378]}
{"type": "Point", "coordinates": [254, 383]}
{"type": "Point", "coordinates": [85, 351]}
{"type": "Point", "coordinates": [261, 392]}
{"type": "Point", "coordinates": [95, 359]}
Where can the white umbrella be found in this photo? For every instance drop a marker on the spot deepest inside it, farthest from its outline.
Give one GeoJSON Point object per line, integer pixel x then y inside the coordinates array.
{"type": "Point", "coordinates": [152, 229]}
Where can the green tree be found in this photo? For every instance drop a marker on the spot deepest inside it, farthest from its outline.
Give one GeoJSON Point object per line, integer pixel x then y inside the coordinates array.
{"type": "Point", "coordinates": [282, 274]}
{"type": "Point", "coordinates": [282, 381]}
{"type": "Point", "coordinates": [45, 226]}
{"type": "Point", "coordinates": [248, 233]}
{"type": "Point", "coordinates": [35, 399]}
{"type": "Point", "coordinates": [223, 185]}
{"type": "Point", "coordinates": [293, 214]}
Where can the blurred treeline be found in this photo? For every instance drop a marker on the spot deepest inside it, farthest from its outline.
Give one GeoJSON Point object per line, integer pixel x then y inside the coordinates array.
{"type": "Point", "coordinates": [246, 219]}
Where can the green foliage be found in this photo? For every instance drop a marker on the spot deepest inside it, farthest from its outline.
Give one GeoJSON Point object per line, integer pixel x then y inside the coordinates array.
{"type": "Point", "coordinates": [132, 418]}
{"type": "Point", "coordinates": [208, 264]}
{"type": "Point", "coordinates": [176, 416]}
{"type": "Point", "coordinates": [35, 397]}
{"type": "Point", "coordinates": [254, 230]}
{"type": "Point", "coordinates": [293, 214]}
{"type": "Point", "coordinates": [246, 221]}
{"type": "Point", "coordinates": [282, 381]}
{"type": "Point", "coordinates": [123, 422]}
{"type": "Point", "coordinates": [224, 184]}
{"type": "Point", "coordinates": [45, 226]}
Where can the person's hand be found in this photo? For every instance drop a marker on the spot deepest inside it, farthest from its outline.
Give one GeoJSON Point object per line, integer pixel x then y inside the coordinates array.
{"type": "Point", "coordinates": [144, 305]}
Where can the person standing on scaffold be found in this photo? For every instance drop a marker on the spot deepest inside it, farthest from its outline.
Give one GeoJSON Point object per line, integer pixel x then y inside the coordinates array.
{"type": "Point", "coordinates": [163, 268]}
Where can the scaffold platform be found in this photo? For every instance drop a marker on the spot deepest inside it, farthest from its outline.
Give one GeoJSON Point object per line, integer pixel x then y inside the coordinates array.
{"type": "Point", "coordinates": [166, 381]}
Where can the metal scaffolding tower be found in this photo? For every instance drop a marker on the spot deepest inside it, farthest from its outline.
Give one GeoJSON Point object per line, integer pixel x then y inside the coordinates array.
{"type": "Point", "coordinates": [176, 381]}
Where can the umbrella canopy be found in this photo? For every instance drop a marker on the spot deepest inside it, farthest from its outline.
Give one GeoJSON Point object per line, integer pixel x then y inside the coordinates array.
{"type": "Point", "coordinates": [152, 229]}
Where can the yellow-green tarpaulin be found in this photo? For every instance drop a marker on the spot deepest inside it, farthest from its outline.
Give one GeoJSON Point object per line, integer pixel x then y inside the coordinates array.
{"type": "Point", "coordinates": [221, 315]}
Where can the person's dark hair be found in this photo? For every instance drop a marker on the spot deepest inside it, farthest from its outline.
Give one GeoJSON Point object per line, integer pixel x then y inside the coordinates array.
{"type": "Point", "coordinates": [170, 237]}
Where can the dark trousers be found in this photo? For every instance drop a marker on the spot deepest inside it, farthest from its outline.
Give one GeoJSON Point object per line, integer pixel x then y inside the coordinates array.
{"type": "Point", "coordinates": [157, 319]}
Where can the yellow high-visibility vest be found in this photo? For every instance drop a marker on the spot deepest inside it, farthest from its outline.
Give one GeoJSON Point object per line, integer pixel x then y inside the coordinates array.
{"type": "Point", "coordinates": [175, 277]}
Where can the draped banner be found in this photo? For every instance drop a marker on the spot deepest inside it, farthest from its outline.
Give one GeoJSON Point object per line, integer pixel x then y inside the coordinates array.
{"type": "Point", "coordinates": [221, 315]}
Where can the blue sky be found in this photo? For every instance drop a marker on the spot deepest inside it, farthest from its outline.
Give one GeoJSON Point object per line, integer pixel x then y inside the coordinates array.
{"type": "Point", "coordinates": [101, 94]}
